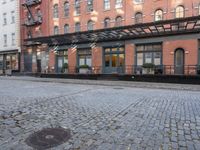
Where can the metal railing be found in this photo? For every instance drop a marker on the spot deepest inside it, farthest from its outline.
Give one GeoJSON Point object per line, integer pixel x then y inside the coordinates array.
{"type": "Point", "coordinates": [136, 70]}
{"type": "Point", "coordinates": [31, 2]}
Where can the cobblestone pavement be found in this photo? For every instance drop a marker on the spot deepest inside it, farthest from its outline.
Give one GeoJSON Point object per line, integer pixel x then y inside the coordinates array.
{"type": "Point", "coordinates": [100, 117]}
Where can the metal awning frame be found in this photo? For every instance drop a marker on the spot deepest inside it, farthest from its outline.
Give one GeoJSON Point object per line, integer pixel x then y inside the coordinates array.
{"type": "Point", "coordinates": [177, 26]}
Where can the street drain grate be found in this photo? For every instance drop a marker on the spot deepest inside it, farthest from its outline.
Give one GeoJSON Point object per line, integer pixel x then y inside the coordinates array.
{"type": "Point", "coordinates": [48, 138]}
{"type": "Point", "coordinates": [118, 88]}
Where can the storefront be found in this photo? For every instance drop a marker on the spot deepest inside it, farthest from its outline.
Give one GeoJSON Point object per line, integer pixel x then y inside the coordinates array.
{"type": "Point", "coordinates": [9, 62]}
{"type": "Point", "coordinates": [61, 61]}
{"type": "Point", "coordinates": [114, 60]}
{"type": "Point", "coordinates": [153, 47]}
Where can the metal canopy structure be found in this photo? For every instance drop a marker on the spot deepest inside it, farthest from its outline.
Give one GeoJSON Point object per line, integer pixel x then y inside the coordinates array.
{"type": "Point", "coordinates": [177, 26]}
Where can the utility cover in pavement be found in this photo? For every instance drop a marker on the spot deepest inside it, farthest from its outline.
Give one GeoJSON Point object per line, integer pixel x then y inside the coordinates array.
{"type": "Point", "coordinates": [48, 138]}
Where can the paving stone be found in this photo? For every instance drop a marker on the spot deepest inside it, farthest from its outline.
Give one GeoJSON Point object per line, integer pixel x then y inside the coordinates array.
{"type": "Point", "coordinates": [100, 117]}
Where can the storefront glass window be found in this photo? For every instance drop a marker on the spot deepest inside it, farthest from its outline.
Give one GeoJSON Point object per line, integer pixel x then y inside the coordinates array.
{"type": "Point", "coordinates": [149, 53]}
{"type": "Point", "coordinates": [62, 58]}
{"type": "Point", "coordinates": [85, 57]}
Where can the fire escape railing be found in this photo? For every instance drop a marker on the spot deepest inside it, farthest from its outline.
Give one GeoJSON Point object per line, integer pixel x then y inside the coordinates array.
{"type": "Point", "coordinates": [32, 20]}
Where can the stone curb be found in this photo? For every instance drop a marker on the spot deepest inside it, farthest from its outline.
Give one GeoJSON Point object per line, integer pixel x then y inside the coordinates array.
{"type": "Point", "coordinates": [151, 85]}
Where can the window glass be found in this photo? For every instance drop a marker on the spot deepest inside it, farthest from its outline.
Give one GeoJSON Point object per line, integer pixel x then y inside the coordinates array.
{"type": "Point", "coordinates": [107, 23]}
{"type": "Point", "coordinates": [89, 5]}
{"type": "Point", "coordinates": [148, 58]}
{"type": "Point", "coordinates": [88, 60]}
{"type": "Point", "coordinates": [138, 18]}
{"type": "Point", "coordinates": [106, 4]}
{"type": "Point", "coordinates": [114, 60]}
{"type": "Point", "coordinates": [157, 58]}
{"type": "Point", "coordinates": [66, 9]}
{"type": "Point", "coordinates": [55, 11]}
{"type": "Point", "coordinates": [121, 60]}
{"type": "Point", "coordinates": [107, 60]}
{"type": "Point", "coordinates": [118, 4]}
{"type": "Point", "coordinates": [150, 53]}
{"type": "Point", "coordinates": [118, 21]}
{"type": "Point", "coordinates": [81, 60]}
{"type": "Point", "coordinates": [158, 15]}
{"type": "Point", "coordinates": [179, 12]}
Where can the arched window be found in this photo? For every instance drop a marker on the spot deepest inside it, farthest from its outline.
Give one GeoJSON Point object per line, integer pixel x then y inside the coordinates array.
{"type": "Point", "coordinates": [158, 15]}
{"type": "Point", "coordinates": [55, 11]}
{"type": "Point", "coordinates": [77, 27]}
{"type": "Point", "coordinates": [90, 25]}
{"type": "Point", "coordinates": [66, 9]}
{"type": "Point", "coordinates": [56, 30]}
{"type": "Point", "coordinates": [138, 17]}
{"type": "Point", "coordinates": [106, 22]}
{"type": "Point", "coordinates": [179, 12]}
{"type": "Point", "coordinates": [118, 21]}
{"type": "Point", "coordinates": [66, 28]}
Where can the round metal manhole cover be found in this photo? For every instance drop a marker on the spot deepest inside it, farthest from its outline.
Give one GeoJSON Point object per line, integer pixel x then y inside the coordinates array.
{"type": "Point", "coordinates": [48, 138]}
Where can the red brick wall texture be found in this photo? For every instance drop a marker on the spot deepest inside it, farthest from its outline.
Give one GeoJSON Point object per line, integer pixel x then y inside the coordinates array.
{"type": "Point", "coordinates": [127, 12]}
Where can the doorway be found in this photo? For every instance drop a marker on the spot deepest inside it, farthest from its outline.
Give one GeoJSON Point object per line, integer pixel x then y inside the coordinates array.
{"type": "Point", "coordinates": [179, 61]}
{"type": "Point", "coordinates": [114, 60]}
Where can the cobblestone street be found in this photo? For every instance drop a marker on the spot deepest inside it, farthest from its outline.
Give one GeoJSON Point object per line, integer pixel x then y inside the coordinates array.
{"type": "Point", "coordinates": [100, 117]}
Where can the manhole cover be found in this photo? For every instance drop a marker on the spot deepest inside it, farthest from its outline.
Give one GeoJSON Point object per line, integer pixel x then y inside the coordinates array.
{"type": "Point", "coordinates": [48, 138]}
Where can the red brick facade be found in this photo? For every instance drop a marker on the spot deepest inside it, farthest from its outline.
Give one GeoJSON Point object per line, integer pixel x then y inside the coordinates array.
{"type": "Point", "coordinates": [128, 13]}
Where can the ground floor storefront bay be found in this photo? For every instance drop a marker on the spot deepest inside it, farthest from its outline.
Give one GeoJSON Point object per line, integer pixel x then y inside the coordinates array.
{"type": "Point", "coordinates": [154, 56]}
{"type": "Point", "coordinates": [9, 62]}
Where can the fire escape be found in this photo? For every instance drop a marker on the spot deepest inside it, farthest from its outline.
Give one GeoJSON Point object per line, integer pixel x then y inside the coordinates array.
{"type": "Point", "coordinates": [32, 19]}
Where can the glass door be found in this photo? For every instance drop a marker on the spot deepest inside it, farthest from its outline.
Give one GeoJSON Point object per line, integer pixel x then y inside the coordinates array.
{"type": "Point", "coordinates": [114, 60]}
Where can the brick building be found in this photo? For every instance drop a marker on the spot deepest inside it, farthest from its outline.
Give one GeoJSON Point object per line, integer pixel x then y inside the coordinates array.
{"type": "Point", "coordinates": [111, 36]}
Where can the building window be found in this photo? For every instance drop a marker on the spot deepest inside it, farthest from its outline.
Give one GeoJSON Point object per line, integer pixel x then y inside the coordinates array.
{"type": "Point", "coordinates": [62, 61]}
{"type": "Point", "coordinates": [39, 15]}
{"type": "Point", "coordinates": [85, 57]}
{"type": "Point", "coordinates": [199, 10]}
{"type": "Point", "coordinates": [179, 12]}
{"type": "Point", "coordinates": [90, 25]}
{"type": "Point", "coordinates": [89, 5]}
{"type": "Point", "coordinates": [149, 53]}
{"type": "Point", "coordinates": [77, 27]}
{"type": "Point", "coordinates": [66, 28]}
{"type": "Point", "coordinates": [107, 23]}
{"type": "Point", "coordinates": [77, 7]}
{"type": "Point", "coordinates": [138, 17]}
{"type": "Point", "coordinates": [29, 35]}
{"type": "Point", "coordinates": [55, 11]}
{"type": "Point", "coordinates": [56, 30]}
{"type": "Point", "coordinates": [4, 19]}
{"type": "Point", "coordinates": [158, 15]}
{"type": "Point", "coordinates": [118, 3]}
{"type": "Point", "coordinates": [106, 4]}
{"type": "Point", "coordinates": [5, 40]}
{"type": "Point", "coordinates": [138, 1]}
{"type": "Point", "coordinates": [13, 39]}
{"type": "Point", "coordinates": [118, 21]}
{"type": "Point", "coordinates": [66, 9]}
{"type": "Point", "coordinates": [12, 16]}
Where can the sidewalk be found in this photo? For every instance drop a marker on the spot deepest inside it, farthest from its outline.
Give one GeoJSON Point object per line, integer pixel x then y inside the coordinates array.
{"type": "Point", "coordinates": [108, 83]}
